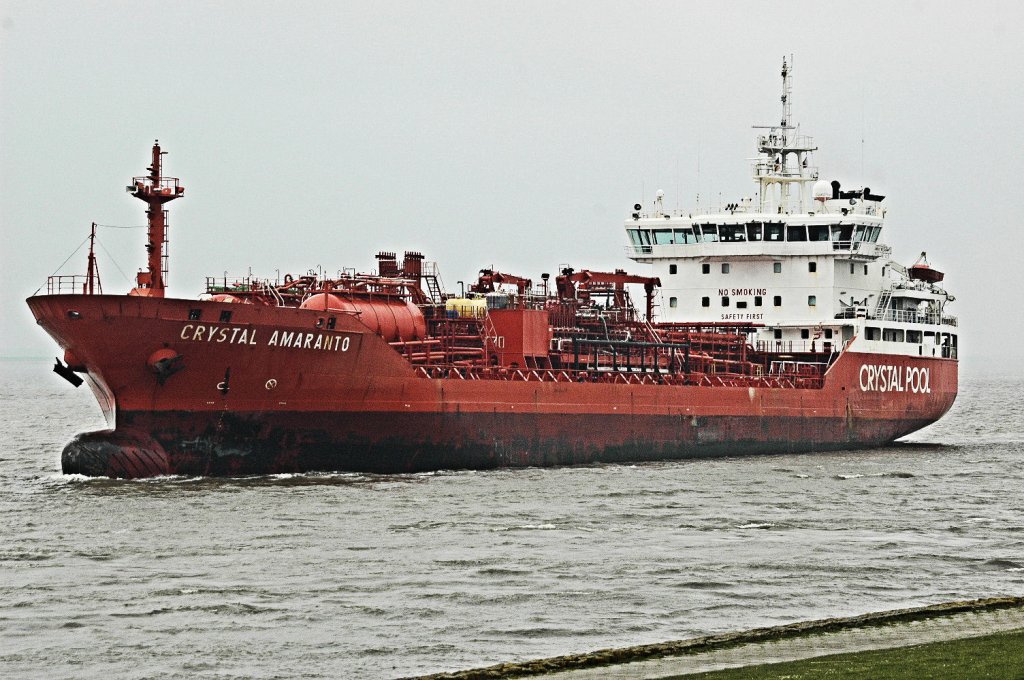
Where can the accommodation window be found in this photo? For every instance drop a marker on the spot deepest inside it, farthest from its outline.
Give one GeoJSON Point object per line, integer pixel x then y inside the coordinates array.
{"type": "Point", "coordinates": [805, 333]}
{"type": "Point", "coordinates": [778, 334]}
{"type": "Point", "coordinates": [872, 333]}
{"type": "Point", "coordinates": [777, 267]}
{"type": "Point", "coordinates": [777, 301]}
{"type": "Point", "coordinates": [673, 302]}
{"type": "Point", "coordinates": [195, 314]}
{"type": "Point", "coordinates": [225, 316]}
{"type": "Point", "coordinates": [725, 267]}
{"type": "Point", "coordinates": [812, 300]}
{"type": "Point", "coordinates": [865, 270]}
{"type": "Point", "coordinates": [705, 269]}
{"type": "Point", "coordinates": [828, 333]}
{"type": "Point", "coordinates": [851, 267]}
{"type": "Point", "coordinates": [741, 304]}
{"type": "Point", "coordinates": [331, 322]}
{"type": "Point", "coordinates": [672, 269]}
{"type": "Point", "coordinates": [812, 267]}
{"type": "Point", "coordinates": [705, 302]}
{"type": "Point", "coordinates": [757, 300]}
{"type": "Point", "coordinates": [725, 300]}
{"type": "Point", "coordinates": [892, 334]}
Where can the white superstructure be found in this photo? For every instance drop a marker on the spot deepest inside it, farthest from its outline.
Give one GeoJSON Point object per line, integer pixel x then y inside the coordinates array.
{"type": "Point", "coordinates": [804, 261]}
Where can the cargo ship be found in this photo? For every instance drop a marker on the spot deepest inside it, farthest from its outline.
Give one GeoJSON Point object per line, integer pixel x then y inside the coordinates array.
{"type": "Point", "coordinates": [772, 324]}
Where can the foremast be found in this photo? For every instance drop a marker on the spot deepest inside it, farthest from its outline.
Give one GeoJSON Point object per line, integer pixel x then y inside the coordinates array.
{"type": "Point", "coordinates": [785, 160]}
{"type": "Point", "coordinates": [155, 190]}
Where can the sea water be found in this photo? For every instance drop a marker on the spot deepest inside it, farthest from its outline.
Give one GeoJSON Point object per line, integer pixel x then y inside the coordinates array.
{"type": "Point", "coordinates": [368, 576]}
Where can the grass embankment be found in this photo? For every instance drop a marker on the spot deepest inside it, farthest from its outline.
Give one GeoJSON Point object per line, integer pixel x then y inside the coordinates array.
{"type": "Point", "coordinates": [993, 657]}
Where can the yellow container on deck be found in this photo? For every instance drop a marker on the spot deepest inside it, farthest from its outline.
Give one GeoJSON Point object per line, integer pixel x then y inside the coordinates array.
{"type": "Point", "coordinates": [466, 307]}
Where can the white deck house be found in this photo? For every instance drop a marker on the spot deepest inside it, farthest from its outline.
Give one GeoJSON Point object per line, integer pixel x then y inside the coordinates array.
{"type": "Point", "coordinates": [806, 259]}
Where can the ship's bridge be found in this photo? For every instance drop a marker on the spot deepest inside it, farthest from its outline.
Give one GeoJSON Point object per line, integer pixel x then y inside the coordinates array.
{"type": "Point", "coordinates": [738, 234]}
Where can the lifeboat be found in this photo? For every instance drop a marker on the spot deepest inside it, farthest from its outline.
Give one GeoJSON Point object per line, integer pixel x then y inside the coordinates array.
{"type": "Point", "coordinates": [922, 271]}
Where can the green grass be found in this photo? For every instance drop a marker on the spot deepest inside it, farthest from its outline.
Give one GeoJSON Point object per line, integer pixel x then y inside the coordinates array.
{"type": "Point", "coordinates": [996, 657]}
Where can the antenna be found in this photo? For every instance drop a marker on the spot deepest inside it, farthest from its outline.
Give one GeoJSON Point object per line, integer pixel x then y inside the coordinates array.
{"type": "Point", "coordinates": [787, 88]}
{"type": "Point", "coordinates": [862, 138]}
{"type": "Point", "coordinates": [784, 163]}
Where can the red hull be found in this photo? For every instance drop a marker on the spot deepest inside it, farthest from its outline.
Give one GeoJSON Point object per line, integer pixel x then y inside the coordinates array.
{"type": "Point", "coordinates": [344, 399]}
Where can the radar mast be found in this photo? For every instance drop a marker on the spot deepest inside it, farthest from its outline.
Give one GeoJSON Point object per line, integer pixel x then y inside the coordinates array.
{"type": "Point", "coordinates": [786, 158]}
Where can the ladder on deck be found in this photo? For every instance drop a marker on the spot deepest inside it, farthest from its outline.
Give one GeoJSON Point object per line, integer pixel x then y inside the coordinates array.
{"type": "Point", "coordinates": [883, 303]}
{"type": "Point", "coordinates": [432, 279]}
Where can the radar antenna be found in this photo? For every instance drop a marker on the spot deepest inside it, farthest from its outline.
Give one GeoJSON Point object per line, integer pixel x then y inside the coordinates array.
{"type": "Point", "coordinates": [785, 159]}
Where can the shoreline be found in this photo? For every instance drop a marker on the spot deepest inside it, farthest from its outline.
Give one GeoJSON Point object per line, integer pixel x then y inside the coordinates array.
{"type": "Point", "coordinates": [606, 661]}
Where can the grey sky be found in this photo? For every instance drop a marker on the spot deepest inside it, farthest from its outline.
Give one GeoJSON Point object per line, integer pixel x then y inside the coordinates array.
{"type": "Point", "coordinates": [516, 134]}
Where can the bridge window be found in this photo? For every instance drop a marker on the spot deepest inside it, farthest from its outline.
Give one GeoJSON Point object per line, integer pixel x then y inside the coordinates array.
{"type": "Point", "coordinates": [705, 302]}
{"type": "Point", "coordinates": [725, 267]}
{"type": "Point", "coordinates": [753, 231]}
{"type": "Point", "coordinates": [796, 232]}
{"type": "Point", "coordinates": [685, 236]}
{"type": "Point", "coordinates": [842, 232]}
{"type": "Point", "coordinates": [875, 232]}
{"type": "Point", "coordinates": [663, 237]}
{"type": "Point", "coordinates": [709, 233]}
{"type": "Point", "coordinates": [705, 269]}
{"type": "Point", "coordinates": [673, 269]}
{"type": "Point", "coordinates": [817, 232]}
{"type": "Point", "coordinates": [673, 302]}
{"type": "Point", "coordinates": [639, 237]}
{"type": "Point", "coordinates": [773, 231]}
{"type": "Point", "coordinates": [732, 232]}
